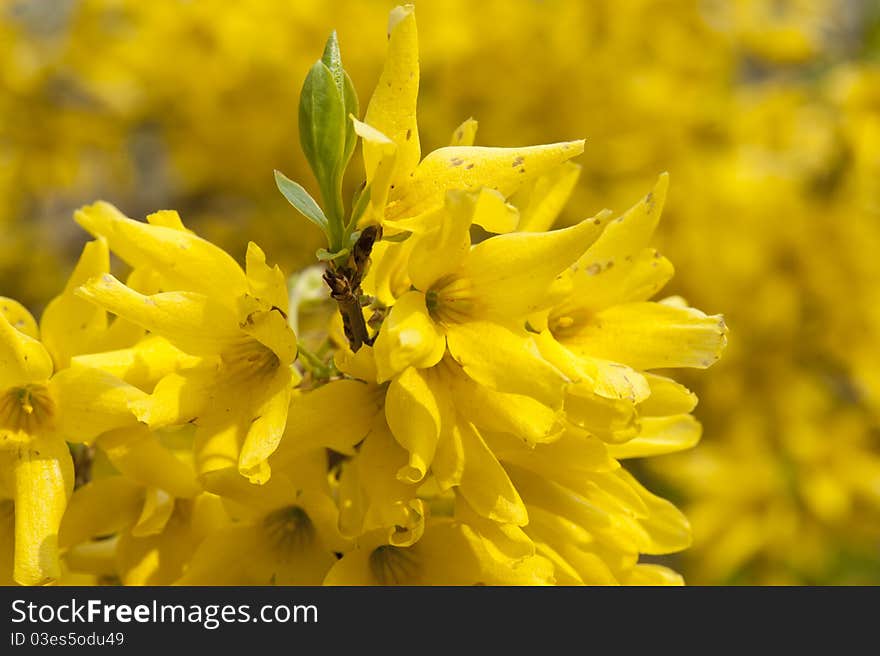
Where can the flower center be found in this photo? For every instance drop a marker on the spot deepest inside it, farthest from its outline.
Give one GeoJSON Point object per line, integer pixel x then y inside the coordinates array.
{"type": "Point", "coordinates": [248, 358]}
{"type": "Point", "coordinates": [26, 408]}
{"type": "Point", "coordinates": [393, 565]}
{"type": "Point", "coordinates": [450, 300]}
{"type": "Point", "coordinates": [289, 529]}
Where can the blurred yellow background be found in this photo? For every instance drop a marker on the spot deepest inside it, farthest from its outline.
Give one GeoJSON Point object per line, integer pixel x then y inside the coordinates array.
{"type": "Point", "coordinates": [766, 113]}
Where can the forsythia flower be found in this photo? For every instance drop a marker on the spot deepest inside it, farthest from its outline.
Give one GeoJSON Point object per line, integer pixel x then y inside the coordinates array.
{"type": "Point", "coordinates": [462, 422]}
{"type": "Point", "coordinates": [42, 406]}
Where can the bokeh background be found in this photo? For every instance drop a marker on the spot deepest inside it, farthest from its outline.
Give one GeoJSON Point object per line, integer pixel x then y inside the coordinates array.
{"type": "Point", "coordinates": [766, 113]}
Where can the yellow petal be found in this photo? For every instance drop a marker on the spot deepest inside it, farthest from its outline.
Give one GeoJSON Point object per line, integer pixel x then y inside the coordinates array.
{"type": "Point", "coordinates": [178, 398]}
{"type": "Point", "coordinates": [623, 279]}
{"type": "Point", "coordinates": [448, 465]}
{"type": "Point", "coordinates": [18, 317]}
{"type": "Point", "coordinates": [390, 503]}
{"type": "Point", "coordinates": [630, 233]}
{"type": "Point", "coordinates": [185, 261]}
{"type": "Point", "coordinates": [612, 420]}
{"type": "Point", "coordinates": [651, 574]}
{"type": "Point", "coordinates": [380, 166]}
{"type": "Point", "coordinates": [468, 168]}
{"type": "Point", "coordinates": [409, 338]}
{"type": "Point", "coordinates": [392, 108]}
{"type": "Point", "coordinates": [101, 507]}
{"type": "Point", "coordinates": [511, 274]}
{"type": "Point", "coordinates": [138, 454]}
{"type": "Point", "coordinates": [541, 201]}
{"type": "Point", "coordinates": [360, 365]}
{"type": "Point", "coordinates": [668, 529]}
{"type": "Point", "coordinates": [23, 359]}
{"type": "Point", "coordinates": [158, 506]}
{"type": "Point", "coordinates": [439, 252]}
{"type": "Point", "coordinates": [266, 428]}
{"type": "Point", "coordinates": [660, 435]}
{"type": "Point", "coordinates": [388, 276]}
{"type": "Point", "coordinates": [91, 402]}
{"type": "Point", "coordinates": [493, 214]}
{"type": "Point", "coordinates": [574, 451]}
{"type": "Point", "coordinates": [465, 134]}
{"type": "Point", "coordinates": [485, 485]}
{"type": "Point", "coordinates": [72, 325]}
{"type": "Point", "coordinates": [493, 411]}
{"type": "Point", "coordinates": [337, 416]}
{"type": "Point", "coordinates": [43, 480]}
{"type": "Point", "coordinates": [233, 555]}
{"type": "Point", "coordinates": [505, 361]}
{"type": "Point", "coordinates": [272, 331]}
{"type": "Point", "coordinates": [667, 397]}
{"type": "Point", "coordinates": [141, 365]}
{"type": "Point", "coordinates": [267, 284]}
{"type": "Point", "coordinates": [413, 416]}
{"type": "Point", "coordinates": [652, 336]}
{"type": "Point", "coordinates": [196, 323]}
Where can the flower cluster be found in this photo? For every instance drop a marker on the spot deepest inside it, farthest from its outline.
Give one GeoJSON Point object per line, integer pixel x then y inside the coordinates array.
{"type": "Point", "coordinates": [458, 418]}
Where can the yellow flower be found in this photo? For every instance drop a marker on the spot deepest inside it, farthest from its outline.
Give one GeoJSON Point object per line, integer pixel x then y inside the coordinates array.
{"type": "Point", "coordinates": [285, 531]}
{"type": "Point", "coordinates": [449, 553]}
{"type": "Point", "coordinates": [403, 188]}
{"type": "Point", "coordinates": [41, 408]}
{"type": "Point", "coordinates": [235, 322]}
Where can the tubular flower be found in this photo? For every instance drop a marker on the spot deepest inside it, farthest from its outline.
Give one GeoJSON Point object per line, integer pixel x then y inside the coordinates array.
{"type": "Point", "coordinates": [43, 406]}
{"type": "Point", "coordinates": [284, 532]}
{"type": "Point", "coordinates": [234, 322]}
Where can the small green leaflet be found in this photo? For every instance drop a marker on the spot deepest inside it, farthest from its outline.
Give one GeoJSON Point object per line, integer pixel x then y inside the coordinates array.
{"type": "Point", "coordinates": [301, 200]}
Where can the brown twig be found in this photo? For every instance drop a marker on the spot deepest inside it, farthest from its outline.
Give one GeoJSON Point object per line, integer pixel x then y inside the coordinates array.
{"type": "Point", "coordinates": [345, 287]}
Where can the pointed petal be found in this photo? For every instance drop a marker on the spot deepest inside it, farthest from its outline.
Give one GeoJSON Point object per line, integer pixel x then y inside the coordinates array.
{"type": "Point", "coordinates": [470, 168]}
{"type": "Point", "coordinates": [631, 232]}
{"type": "Point", "coordinates": [485, 485]}
{"type": "Point", "coordinates": [505, 361]}
{"type": "Point", "coordinates": [194, 322]}
{"type": "Point", "coordinates": [185, 261]}
{"type": "Point", "coordinates": [392, 108]}
{"type": "Point", "coordinates": [659, 436]}
{"type": "Point", "coordinates": [465, 134]}
{"type": "Point", "coordinates": [667, 397]}
{"type": "Point", "coordinates": [71, 325]}
{"type": "Point", "coordinates": [23, 359]}
{"type": "Point", "coordinates": [541, 201]}
{"type": "Point", "coordinates": [512, 274]}
{"type": "Point", "coordinates": [652, 336]}
{"type": "Point", "coordinates": [380, 157]}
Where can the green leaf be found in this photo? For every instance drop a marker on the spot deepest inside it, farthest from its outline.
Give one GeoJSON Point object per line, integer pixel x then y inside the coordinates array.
{"type": "Point", "coordinates": [301, 200]}
{"type": "Point", "coordinates": [324, 255]}
{"type": "Point", "coordinates": [361, 201]}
